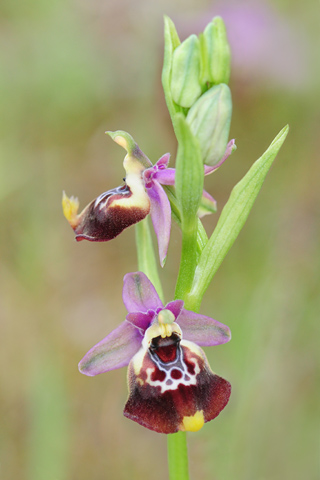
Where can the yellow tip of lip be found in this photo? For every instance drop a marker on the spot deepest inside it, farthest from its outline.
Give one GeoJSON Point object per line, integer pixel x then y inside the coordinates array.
{"type": "Point", "coordinates": [70, 207]}
{"type": "Point", "coordinates": [193, 423]}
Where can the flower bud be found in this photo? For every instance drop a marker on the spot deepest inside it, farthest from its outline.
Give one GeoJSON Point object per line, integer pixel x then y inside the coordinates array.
{"type": "Point", "coordinates": [209, 120]}
{"type": "Point", "coordinates": [216, 52]}
{"type": "Point", "coordinates": [185, 82]}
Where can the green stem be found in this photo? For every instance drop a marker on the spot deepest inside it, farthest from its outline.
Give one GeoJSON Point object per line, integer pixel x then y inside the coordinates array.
{"type": "Point", "coordinates": [187, 264]}
{"type": "Point", "coordinates": [177, 442]}
{"type": "Point", "coordinates": [147, 262]}
{"type": "Point", "coordinates": [178, 456]}
{"type": "Point", "coordinates": [202, 237]}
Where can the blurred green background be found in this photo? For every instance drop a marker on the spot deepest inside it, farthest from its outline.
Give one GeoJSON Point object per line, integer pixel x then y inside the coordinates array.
{"type": "Point", "coordinates": [69, 70]}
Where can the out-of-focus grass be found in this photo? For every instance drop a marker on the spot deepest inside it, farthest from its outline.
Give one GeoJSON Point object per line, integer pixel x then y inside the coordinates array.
{"type": "Point", "coordinates": [48, 438]}
{"type": "Point", "coordinates": [70, 71]}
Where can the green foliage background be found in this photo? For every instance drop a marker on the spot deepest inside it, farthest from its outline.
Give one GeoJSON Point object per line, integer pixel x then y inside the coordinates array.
{"type": "Point", "coordinates": [69, 70]}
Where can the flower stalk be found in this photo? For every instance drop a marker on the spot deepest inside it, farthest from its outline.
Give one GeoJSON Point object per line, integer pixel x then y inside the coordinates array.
{"type": "Point", "coordinates": [146, 257]}
{"type": "Point", "coordinates": [178, 456]}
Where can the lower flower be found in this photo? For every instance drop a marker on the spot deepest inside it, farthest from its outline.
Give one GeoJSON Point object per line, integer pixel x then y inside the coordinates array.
{"type": "Point", "coordinates": [171, 385]}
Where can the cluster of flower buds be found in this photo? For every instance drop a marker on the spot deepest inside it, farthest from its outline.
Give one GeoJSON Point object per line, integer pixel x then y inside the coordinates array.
{"type": "Point", "coordinates": [198, 73]}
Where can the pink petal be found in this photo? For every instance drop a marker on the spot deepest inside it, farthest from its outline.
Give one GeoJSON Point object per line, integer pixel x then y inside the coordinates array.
{"type": "Point", "coordinates": [160, 212]}
{"type": "Point", "coordinates": [166, 177]}
{"type": "Point", "coordinates": [141, 320]}
{"type": "Point", "coordinates": [202, 330]}
{"type": "Point", "coordinates": [139, 295]}
{"type": "Point", "coordinates": [175, 307]}
{"type": "Point", "coordinates": [114, 351]}
{"type": "Point", "coordinates": [163, 161]}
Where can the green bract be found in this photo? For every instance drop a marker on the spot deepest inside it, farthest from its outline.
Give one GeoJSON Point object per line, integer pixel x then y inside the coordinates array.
{"type": "Point", "coordinates": [189, 186]}
{"type": "Point", "coordinates": [185, 84]}
{"type": "Point", "coordinates": [209, 119]}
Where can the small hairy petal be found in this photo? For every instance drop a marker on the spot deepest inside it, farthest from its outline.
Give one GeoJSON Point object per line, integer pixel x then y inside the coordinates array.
{"type": "Point", "coordinates": [163, 161]}
{"type": "Point", "coordinates": [203, 330]}
{"type": "Point", "coordinates": [175, 307]}
{"type": "Point", "coordinates": [161, 218]}
{"type": "Point", "coordinates": [141, 320]}
{"type": "Point", "coordinates": [114, 351]}
{"type": "Point", "coordinates": [174, 390]}
{"type": "Point", "coordinates": [151, 173]}
{"type": "Point", "coordinates": [139, 295]}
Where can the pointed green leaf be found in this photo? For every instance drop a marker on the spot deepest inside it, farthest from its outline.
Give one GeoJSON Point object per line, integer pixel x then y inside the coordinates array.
{"type": "Point", "coordinates": [232, 219]}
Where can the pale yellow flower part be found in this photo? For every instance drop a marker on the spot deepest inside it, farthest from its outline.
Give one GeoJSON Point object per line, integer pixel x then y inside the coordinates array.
{"type": "Point", "coordinates": [70, 208]}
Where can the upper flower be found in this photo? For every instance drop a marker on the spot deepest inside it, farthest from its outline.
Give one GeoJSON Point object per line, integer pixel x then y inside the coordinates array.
{"type": "Point", "coordinates": [113, 211]}
{"type": "Point", "coordinates": [171, 385]}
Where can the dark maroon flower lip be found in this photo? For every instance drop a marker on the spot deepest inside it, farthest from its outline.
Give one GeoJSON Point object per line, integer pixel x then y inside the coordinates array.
{"type": "Point", "coordinates": [101, 201]}
{"type": "Point", "coordinates": [113, 211]}
{"type": "Point", "coordinates": [171, 385]}
{"type": "Point", "coordinates": [107, 216]}
{"type": "Point", "coordinates": [180, 394]}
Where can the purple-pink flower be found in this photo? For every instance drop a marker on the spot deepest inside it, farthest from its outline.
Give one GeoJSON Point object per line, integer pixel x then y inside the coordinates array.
{"type": "Point", "coordinates": [142, 193]}
{"type": "Point", "coordinates": [171, 385]}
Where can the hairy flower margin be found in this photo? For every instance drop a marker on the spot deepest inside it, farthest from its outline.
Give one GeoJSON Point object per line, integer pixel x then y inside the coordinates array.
{"type": "Point", "coordinates": [171, 385]}
{"type": "Point", "coordinates": [142, 193]}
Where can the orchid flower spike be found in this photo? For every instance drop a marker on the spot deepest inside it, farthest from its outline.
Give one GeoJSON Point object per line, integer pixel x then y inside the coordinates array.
{"type": "Point", "coordinates": [171, 385]}
{"type": "Point", "coordinates": [113, 211]}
